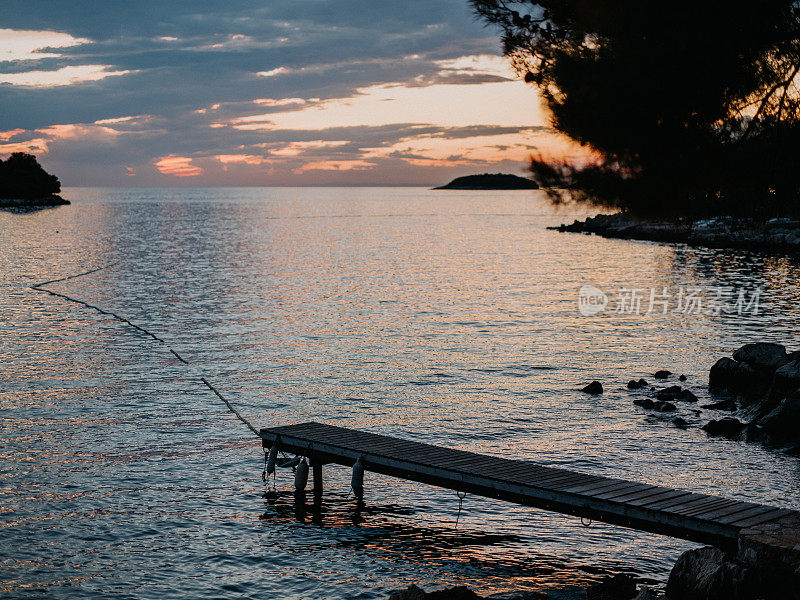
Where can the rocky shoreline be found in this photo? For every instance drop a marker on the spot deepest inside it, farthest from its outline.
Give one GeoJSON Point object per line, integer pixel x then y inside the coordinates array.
{"type": "Point", "coordinates": [761, 384]}
{"type": "Point", "coordinates": [31, 204]}
{"type": "Point", "coordinates": [776, 235]}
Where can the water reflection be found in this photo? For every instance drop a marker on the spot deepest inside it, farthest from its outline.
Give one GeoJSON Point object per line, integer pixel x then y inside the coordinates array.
{"type": "Point", "coordinates": [448, 318]}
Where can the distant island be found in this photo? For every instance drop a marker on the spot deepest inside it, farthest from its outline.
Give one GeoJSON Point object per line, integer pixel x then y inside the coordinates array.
{"type": "Point", "coordinates": [490, 181]}
{"type": "Point", "coordinates": [25, 184]}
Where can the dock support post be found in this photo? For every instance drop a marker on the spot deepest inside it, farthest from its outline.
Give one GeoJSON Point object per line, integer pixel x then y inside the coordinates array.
{"type": "Point", "coordinates": [317, 480]}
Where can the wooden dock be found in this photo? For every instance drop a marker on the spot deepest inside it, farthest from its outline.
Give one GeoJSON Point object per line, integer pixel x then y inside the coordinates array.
{"type": "Point", "coordinates": [656, 509]}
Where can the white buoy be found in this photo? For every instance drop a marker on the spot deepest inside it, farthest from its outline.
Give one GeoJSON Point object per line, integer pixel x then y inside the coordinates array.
{"type": "Point", "coordinates": [357, 480]}
{"type": "Point", "coordinates": [273, 457]}
{"type": "Point", "coordinates": [301, 476]}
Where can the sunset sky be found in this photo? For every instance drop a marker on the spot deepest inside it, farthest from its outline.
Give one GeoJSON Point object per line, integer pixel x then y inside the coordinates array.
{"type": "Point", "coordinates": [241, 92]}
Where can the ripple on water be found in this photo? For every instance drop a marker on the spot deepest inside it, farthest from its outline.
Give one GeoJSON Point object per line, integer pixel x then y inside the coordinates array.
{"type": "Point", "coordinates": [444, 318]}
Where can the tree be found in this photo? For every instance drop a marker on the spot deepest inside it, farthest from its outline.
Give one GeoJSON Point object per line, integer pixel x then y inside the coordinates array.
{"type": "Point", "coordinates": [692, 106]}
{"type": "Point", "coordinates": [22, 177]}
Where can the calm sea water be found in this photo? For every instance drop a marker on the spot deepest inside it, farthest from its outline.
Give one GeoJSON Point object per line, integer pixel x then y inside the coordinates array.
{"type": "Point", "coordinates": [446, 317]}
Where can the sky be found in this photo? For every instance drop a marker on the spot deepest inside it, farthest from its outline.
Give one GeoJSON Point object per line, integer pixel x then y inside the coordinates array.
{"type": "Point", "coordinates": [243, 92]}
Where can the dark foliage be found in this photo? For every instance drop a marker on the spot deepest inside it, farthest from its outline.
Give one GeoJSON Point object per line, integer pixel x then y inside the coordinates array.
{"type": "Point", "coordinates": [693, 106]}
{"type": "Point", "coordinates": [22, 177]}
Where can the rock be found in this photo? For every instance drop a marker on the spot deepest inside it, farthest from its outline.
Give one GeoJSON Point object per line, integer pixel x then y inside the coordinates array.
{"type": "Point", "coordinates": [618, 587]}
{"type": "Point", "coordinates": [762, 355]}
{"type": "Point", "coordinates": [634, 385]}
{"type": "Point", "coordinates": [710, 574]}
{"type": "Point", "coordinates": [721, 405]}
{"type": "Point", "coordinates": [669, 393]}
{"type": "Point", "coordinates": [738, 377]}
{"type": "Point", "coordinates": [786, 379]}
{"type": "Point", "coordinates": [455, 593]}
{"type": "Point", "coordinates": [644, 402]}
{"type": "Point", "coordinates": [412, 593]}
{"type": "Point", "coordinates": [593, 388]}
{"type": "Point", "coordinates": [646, 593]}
{"type": "Point", "coordinates": [662, 374]}
{"type": "Point", "coordinates": [663, 406]}
{"type": "Point", "coordinates": [784, 421]}
{"type": "Point", "coordinates": [680, 423]}
{"type": "Point", "coordinates": [687, 396]}
{"type": "Point", "coordinates": [642, 382]}
{"type": "Point", "coordinates": [682, 378]}
{"type": "Point", "coordinates": [727, 427]}
{"type": "Point", "coordinates": [723, 373]}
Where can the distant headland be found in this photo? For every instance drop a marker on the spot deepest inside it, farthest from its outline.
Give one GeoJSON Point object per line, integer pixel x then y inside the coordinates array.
{"type": "Point", "coordinates": [490, 181]}
{"type": "Point", "coordinates": [25, 184]}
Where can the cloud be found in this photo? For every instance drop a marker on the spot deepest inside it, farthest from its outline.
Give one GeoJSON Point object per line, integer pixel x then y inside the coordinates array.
{"type": "Point", "coordinates": [155, 93]}
{"type": "Point", "coordinates": [21, 45]}
{"type": "Point", "coordinates": [63, 76]}
{"type": "Point", "coordinates": [177, 166]}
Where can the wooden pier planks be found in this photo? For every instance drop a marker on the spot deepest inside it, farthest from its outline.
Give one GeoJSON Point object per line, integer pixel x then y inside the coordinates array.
{"type": "Point", "coordinates": [677, 513]}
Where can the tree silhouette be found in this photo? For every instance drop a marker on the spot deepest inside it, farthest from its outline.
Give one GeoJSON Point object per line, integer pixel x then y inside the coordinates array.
{"type": "Point", "coordinates": [692, 106]}
{"type": "Point", "coordinates": [22, 177]}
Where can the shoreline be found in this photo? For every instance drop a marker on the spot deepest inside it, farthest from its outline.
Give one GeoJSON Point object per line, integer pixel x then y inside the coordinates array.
{"type": "Point", "coordinates": [774, 235]}
{"type": "Point", "coordinates": [24, 204]}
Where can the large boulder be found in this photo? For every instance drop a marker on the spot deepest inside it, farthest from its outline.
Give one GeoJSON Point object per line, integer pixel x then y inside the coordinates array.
{"type": "Point", "coordinates": [784, 420]}
{"type": "Point", "coordinates": [762, 355]}
{"type": "Point", "coordinates": [739, 378]}
{"type": "Point", "coordinates": [710, 574]}
{"type": "Point", "coordinates": [786, 379]}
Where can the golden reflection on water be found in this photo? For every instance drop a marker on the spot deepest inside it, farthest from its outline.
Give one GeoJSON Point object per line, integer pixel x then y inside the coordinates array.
{"type": "Point", "coordinates": [446, 318]}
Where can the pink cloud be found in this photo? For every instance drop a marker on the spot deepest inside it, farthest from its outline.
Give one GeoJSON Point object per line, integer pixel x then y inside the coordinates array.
{"type": "Point", "coordinates": [177, 166]}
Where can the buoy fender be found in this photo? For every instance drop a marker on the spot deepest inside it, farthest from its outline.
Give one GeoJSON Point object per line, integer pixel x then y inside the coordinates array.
{"type": "Point", "coordinates": [301, 476]}
{"type": "Point", "coordinates": [273, 457]}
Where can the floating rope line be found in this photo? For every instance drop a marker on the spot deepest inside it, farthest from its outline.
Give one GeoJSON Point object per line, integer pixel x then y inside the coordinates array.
{"type": "Point", "coordinates": [39, 287]}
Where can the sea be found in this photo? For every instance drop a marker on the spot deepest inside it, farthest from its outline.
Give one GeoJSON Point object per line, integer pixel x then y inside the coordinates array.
{"type": "Point", "coordinates": [449, 317]}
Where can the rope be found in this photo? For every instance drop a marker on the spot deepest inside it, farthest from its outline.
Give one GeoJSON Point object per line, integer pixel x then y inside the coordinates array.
{"type": "Point", "coordinates": [39, 287]}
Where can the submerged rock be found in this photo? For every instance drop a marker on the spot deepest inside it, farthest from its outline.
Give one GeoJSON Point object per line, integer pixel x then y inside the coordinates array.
{"type": "Point", "coordinates": [663, 374]}
{"type": "Point", "coordinates": [593, 388]}
{"type": "Point", "coordinates": [644, 402]}
{"type": "Point", "coordinates": [663, 406]}
{"type": "Point", "coordinates": [680, 423]}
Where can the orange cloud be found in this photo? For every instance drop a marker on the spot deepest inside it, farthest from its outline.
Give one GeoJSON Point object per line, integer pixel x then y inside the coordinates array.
{"type": "Point", "coordinates": [177, 166]}
{"type": "Point", "coordinates": [248, 159]}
